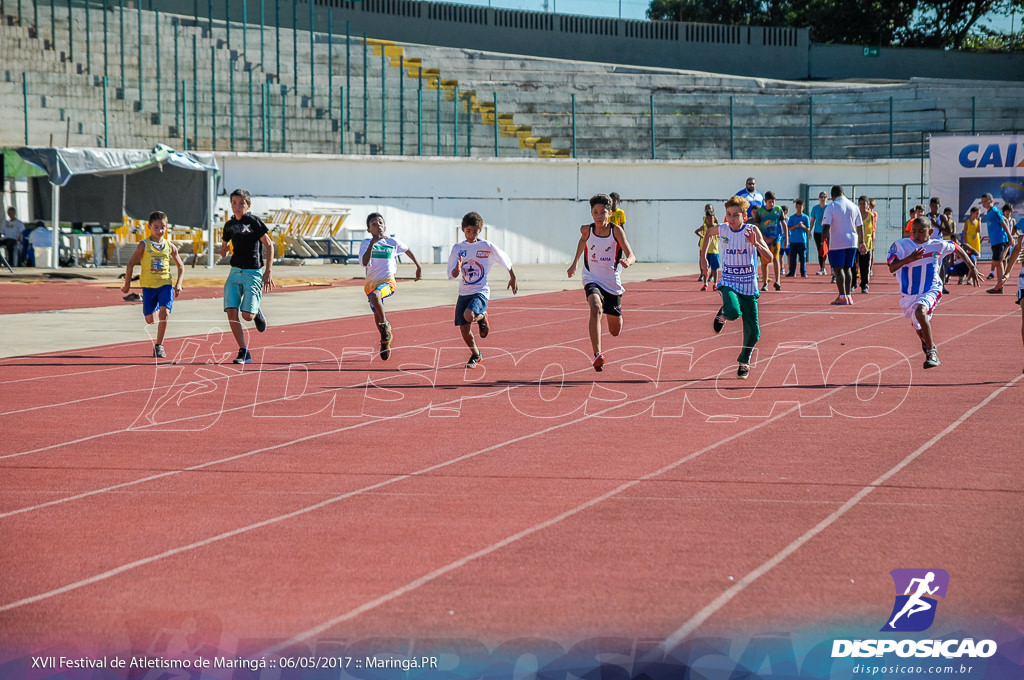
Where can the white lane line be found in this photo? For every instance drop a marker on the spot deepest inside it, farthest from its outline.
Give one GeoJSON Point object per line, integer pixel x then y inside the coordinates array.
{"type": "Point", "coordinates": [704, 614]}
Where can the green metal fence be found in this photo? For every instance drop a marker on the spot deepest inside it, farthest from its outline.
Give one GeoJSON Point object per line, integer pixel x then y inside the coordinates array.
{"type": "Point", "coordinates": [297, 110]}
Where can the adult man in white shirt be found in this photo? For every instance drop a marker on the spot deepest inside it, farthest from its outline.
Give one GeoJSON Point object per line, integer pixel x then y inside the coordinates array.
{"type": "Point", "coordinates": [844, 229]}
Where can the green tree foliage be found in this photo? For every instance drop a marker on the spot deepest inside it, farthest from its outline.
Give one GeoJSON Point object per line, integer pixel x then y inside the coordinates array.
{"type": "Point", "coordinates": [950, 24]}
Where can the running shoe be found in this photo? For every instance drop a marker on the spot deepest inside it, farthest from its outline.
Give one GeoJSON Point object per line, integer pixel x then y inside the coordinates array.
{"type": "Point", "coordinates": [995, 291]}
{"type": "Point", "coordinates": [260, 321]}
{"type": "Point", "coordinates": [484, 327]}
{"type": "Point", "coordinates": [778, 286]}
{"type": "Point", "coordinates": [598, 362]}
{"type": "Point", "coordinates": [474, 360]}
{"type": "Point", "coordinates": [743, 372]}
{"type": "Point", "coordinates": [243, 356]}
{"type": "Point", "coordinates": [385, 340]}
{"type": "Point", "coordinates": [931, 358]}
{"type": "Point", "coordinates": [704, 287]}
{"type": "Point", "coordinates": [158, 352]}
{"type": "Point", "coordinates": [719, 323]}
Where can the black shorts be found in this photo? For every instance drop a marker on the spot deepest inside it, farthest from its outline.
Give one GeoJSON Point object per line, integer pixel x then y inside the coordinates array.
{"type": "Point", "coordinates": [998, 250]}
{"type": "Point", "coordinates": [610, 304]}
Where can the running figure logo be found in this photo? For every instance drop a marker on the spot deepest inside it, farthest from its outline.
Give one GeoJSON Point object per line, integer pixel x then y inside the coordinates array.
{"type": "Point", "coordinates": [914, 609]}
{"type": "Point", "coordinates": [472, 271]}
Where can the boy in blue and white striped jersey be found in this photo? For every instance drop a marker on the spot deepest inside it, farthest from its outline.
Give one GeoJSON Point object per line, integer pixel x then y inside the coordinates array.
{"type": "Point", "coordinates": [920, 259]}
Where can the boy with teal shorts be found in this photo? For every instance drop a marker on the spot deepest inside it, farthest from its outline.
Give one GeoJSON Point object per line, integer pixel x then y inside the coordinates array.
{"type": "Point", "coordinates": [770, 219]}
{"type": "Point", "coordinates": [252, 258]}
{"type": "Point", "coordinates": [379, 254]}
{"type": "Point", "coordinates": [155, 254]}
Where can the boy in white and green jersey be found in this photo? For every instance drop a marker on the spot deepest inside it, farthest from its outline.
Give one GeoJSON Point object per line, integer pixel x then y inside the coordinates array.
{"type": "Point", "coordinates": [379, 254]}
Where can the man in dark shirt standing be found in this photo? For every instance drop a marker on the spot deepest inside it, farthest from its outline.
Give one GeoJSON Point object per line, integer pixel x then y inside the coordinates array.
{"type": "Point", "coordinates": [244, 234]}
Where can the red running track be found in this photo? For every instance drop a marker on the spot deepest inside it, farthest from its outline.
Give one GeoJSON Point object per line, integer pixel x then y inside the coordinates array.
{"type": "Point", "coordinates": [322, 494]}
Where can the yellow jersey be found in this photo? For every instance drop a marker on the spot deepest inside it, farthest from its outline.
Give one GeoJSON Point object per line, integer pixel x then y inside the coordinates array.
{"type": "Point", "coordinates": [156, 264]}
{"type": "Point", "coordinates": [972, 234]}
{"type": "Point", "coordinates": [618, 217]}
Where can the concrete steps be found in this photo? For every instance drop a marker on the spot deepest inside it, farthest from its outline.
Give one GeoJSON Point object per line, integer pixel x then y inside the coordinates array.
{"type": "Point", "coordinates": [533, 107]}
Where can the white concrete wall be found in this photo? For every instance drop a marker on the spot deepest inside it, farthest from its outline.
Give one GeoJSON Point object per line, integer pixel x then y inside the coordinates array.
{"type": "Point", "coordinates": [532, 208]}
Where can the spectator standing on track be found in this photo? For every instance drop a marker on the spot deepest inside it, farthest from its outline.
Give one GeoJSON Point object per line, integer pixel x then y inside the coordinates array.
{"type": "Point", "coordinates": [713, 263]}
{"type": "Point", "coordinates": [252, 260]}
{"type": "Point", "coordinates": [1010, 227]}
{"type": "Point", "coordinates": [798, 227]}
{"type": "Point", "coordinates": [915, 212]}
{"type": "Point", "coordinates": [769, 219]}
{"type": "Point", "coordinates": [606, 252]}
{"type": "Point", "coordinates": [783, 237]}
{"type": "Point", "coordinates": [820, 241]}
{"type": "Point", "coordinates": [471, 260]}
{"type": "Point", "coordinates": [379, 254]}
{"type": "Point", "coordinates": [947, 229]}
{"type": "Point", "coordinates": [1020, 280]}
{"type": "Point", "coordinates": [998, 238]}
{"type": "Point", "coordinates": [750, 194]}
{"type": "Point", "coordinates": [11, 232]}
{"type": "Point", "coordinates": [742, 246]}
{"type": "Point", "coordinates": [155, 254]}
{"type": "Point", "coordinates": [972, 231]}
{"type": "Point", "coordinates": [618, 214]}
{"type": "Point", "coordinates": [865, 253]}
{"type": "Point", "coordinates": [844, 228]}
{"type": "Point", "coordinates": [920, 258]}
{"type": "Point", "coordinates": [934, 216]}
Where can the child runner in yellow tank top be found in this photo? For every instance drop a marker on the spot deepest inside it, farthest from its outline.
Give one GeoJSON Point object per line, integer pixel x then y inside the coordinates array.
{"type": "Point", "coordinates": [155, 255]}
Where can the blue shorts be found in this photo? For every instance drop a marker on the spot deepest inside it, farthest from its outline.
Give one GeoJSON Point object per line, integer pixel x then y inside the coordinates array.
{"type": "Point", "coordinates": [713, 262]}
{"type": "Point", "coordinates": [475, 303]}
{"type": "Point", "coordinates": [844, 257]}
{"type": "Point", "coordinates": [152, 298]}
{"type": "Point", "coordinates": [243, 290]}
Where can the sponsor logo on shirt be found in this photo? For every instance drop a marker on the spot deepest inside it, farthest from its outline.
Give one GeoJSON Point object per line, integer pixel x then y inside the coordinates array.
{"type": "Point", "coordinates": [483, 254]}
{"type": "Point", "coordinates": [472, 272]}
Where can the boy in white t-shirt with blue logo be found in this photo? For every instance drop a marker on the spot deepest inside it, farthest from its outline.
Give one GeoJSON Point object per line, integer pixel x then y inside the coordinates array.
{"type": "Point", "coordinates": [379, 254]}
{"type": "Point", "coordinates": [918, 260]}
{"type": "Point", "coordinates": [470, 261]}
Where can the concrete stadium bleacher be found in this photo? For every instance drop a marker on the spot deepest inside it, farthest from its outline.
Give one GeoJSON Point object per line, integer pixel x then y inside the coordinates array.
{"type": "Point", "coordinates": [407, 105]}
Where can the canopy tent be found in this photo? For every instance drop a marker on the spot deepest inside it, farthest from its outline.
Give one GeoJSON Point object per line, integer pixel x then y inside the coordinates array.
{"type": "Point", "coordinates": [102, 185]}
